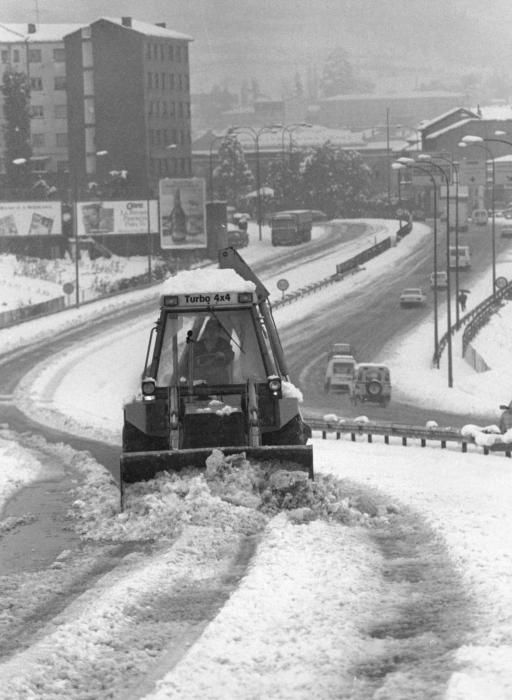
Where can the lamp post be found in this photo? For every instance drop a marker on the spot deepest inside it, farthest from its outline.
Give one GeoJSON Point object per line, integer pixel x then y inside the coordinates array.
{"type": "Point", "coordinates": [411, 161]}
{"type": "Point", "coordinates": [454, 168]}
{"type": "Point", "coordinates": [399, 166]}
{"type": "Point", "coordinates": [479, 142]}
{"type": "Point", "coordinates": [256, 136]}
{"type": "Point", "coordinates": [289, 129]}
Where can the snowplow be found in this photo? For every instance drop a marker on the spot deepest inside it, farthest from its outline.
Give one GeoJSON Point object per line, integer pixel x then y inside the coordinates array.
{"type": "Point", "coordinates": [215, 376]}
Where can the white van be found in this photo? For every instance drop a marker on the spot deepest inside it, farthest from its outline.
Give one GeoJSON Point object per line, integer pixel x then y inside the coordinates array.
{"type": "Point", "coordinates": [480, 217]}
{"type": "Point", "coordinates": [339, 373]}
{"type": "Point", "coordinates": [464, 261]}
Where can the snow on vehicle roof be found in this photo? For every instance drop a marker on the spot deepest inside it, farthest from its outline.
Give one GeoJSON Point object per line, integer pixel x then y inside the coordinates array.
{"type": "Point", "coordinates": [207, 280]}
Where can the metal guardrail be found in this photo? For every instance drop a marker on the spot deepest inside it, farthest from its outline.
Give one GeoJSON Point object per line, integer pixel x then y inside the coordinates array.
{"type": "Point", "coordinates": [475, 320]}
{"type": "Point", "coordinates": [404, 432]}
{"type": "Point", "coordinates": [350, 266]}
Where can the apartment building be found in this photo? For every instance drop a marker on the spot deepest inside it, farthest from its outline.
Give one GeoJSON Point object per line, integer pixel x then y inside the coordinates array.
{"type": "Point", "coordinates": [128, 102]}
{"type": "Point", "coordinates": [38, 51]}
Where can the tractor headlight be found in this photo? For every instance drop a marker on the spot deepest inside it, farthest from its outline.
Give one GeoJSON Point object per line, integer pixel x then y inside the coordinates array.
{"type": "Point", "coordinates": [274, 385]}
{"type": "Point", "coordinates": [148, 388]}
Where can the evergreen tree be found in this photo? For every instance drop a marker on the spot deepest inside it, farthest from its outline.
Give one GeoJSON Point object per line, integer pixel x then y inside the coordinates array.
{"type": "Point", "coordinates": [16, 93]}
{"type": "Point", "coordinates": [336, 181]}
{"type": "Point", "coordinates": [284, 177]}
{"type": "Point", "coordinates": [232, 178]}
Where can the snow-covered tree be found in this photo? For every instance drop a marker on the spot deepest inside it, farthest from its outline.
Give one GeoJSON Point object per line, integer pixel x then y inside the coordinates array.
{"type": "Point", "coordinates": [232, 178]}
{"type": "Point", "coordinates": [285, 178]}
{"type": "Point", "coordinates": [335, 180]}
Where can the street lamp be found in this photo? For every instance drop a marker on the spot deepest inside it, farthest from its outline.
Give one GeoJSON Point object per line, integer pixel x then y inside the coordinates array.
{"type": "Point", "coordinates": [411, 161]}
{"type": "Point", "coordinates": [289, 129]}
{"type": "Point", "coordinates": [256, 136]}
{"type": "Point", "coordinates": [399, 166]}
{"type": "Point", "coordinates": [454, 166]}
{"type": "Point", "coordinates": [479, 142]}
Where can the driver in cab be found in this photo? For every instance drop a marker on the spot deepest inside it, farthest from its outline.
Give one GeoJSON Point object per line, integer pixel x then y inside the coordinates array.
{"type": "Point", "coordinates": [213, 355]}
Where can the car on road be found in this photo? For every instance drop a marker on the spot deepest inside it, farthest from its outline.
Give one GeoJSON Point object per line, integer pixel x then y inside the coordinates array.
{"type": "Point", "coordinates": [412, 296]}
{"type": "Point", "coordinates": [339, 373]}
{"type": "Point", "coordinates": [340, 349]}
{"type": "Point", "coordinates": [439, 280]}
{"type": "Point", "coordinates": [506, 232]}
{"type": "Point", "coordinates": [371, 383]}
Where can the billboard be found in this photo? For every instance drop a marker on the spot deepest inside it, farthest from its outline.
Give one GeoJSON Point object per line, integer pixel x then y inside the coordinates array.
{"type": "Point", "coordinates": [182, 213]}
{"type": "Point", "coordinates": [112, 217]}
{"type": "Point", "coordinates": [30, 218]}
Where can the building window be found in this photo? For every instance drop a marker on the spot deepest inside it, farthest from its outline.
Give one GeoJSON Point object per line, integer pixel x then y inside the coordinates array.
{"type": "Point", "coordinates": [61, 112]}
{"type": "Point", "coordinates": [171, 81]}
{"type": "Point", "coordinates": [15, 56]}
{"type": "Point", "coordinates": [162, 81]}
{"type": "Point", "coordinates": [162, 55]}
{"type": "Point", "coordinates": [173, 109]}
{"type": "Point", "coordinates": [62, 166]}
{"type": "Point", "coordinates": [37, 111]}
{"type": "Point", "coordinates": [61, 139]}
{"type": "Point", "coordinates": [150, 80]}
{"type": "Point", "coordinates": [36, 83]}
{"type": "Point", "coordinates": [156, 83]}
{"type": "Point", "coordinates": [155, 52]}
{"type": "Point", "coordinates": [5, 57]}
{"type": "Point", "coordinates": [35, 56]}
{"type": "Point", "coordinates": [171, 52]}
{"type": "Point", "coordinates": [59, 55]}
{"type": "Point", "coordinates": [148, 51]}
{"type": "Point", "coordinates": [59, 82]}
{"type": "Point", "coordinates": [178, 54]}
{"type": "Point", "coordinates": [38, 140]}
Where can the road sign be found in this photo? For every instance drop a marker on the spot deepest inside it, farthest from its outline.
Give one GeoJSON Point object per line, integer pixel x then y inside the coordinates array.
{"type": "Point", "coordinates": [283, 284]}
{"type": "Point", "coordinates": [68, 288]}
{"type": "Point", "coordinates": [501, 282]}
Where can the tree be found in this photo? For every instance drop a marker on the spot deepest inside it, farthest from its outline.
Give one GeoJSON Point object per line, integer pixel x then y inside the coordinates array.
{"type": "Point", "coordinates": [336, 181]}
{"type": "Point", "coordinates": [339, 77]}
{"type": "Point", "coordinates": [232, 178]}
{"type": "Point", "coordinates": [16, 93]}
{"type": "Point", "coordinates": [285, 178]}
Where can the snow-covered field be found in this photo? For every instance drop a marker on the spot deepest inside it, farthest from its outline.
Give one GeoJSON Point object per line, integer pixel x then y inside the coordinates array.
{"type": "Point", "coordinates": [320, 610]}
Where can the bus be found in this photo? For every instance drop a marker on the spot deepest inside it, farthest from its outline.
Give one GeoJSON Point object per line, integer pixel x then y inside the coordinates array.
{"type": "Point", "coordinates": [291, 227]}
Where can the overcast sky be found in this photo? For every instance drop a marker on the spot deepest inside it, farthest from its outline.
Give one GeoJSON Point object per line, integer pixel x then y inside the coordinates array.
{"type": "Point", "coordinates": [237, 39]}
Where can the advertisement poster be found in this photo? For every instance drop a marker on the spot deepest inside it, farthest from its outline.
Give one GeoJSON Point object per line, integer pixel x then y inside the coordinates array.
{"type": "Point", "coordinates": [30, 218]}
{"type": "Point", "coordinates": [112, 217]}
{"type": "Point", "coordinates": [182, 213]}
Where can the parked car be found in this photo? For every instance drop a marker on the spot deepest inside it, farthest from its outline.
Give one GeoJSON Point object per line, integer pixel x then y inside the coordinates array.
{"type": "Point", "coordinates": [371, 383]}
{"type": "Point", "coordinates": [237, 237]}
{"type": "Point", "coordinates": [506, 232]}
{"type": "Point", "coordinates": [412, 296]}
{"type": "Point", "coordinates": [339, 373]}
{"type": "Point", "coordinates": [439, 280]}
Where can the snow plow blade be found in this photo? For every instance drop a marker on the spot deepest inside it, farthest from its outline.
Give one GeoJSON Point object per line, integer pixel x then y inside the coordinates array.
{"type": "Point", "coordinates": [142, 466]}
